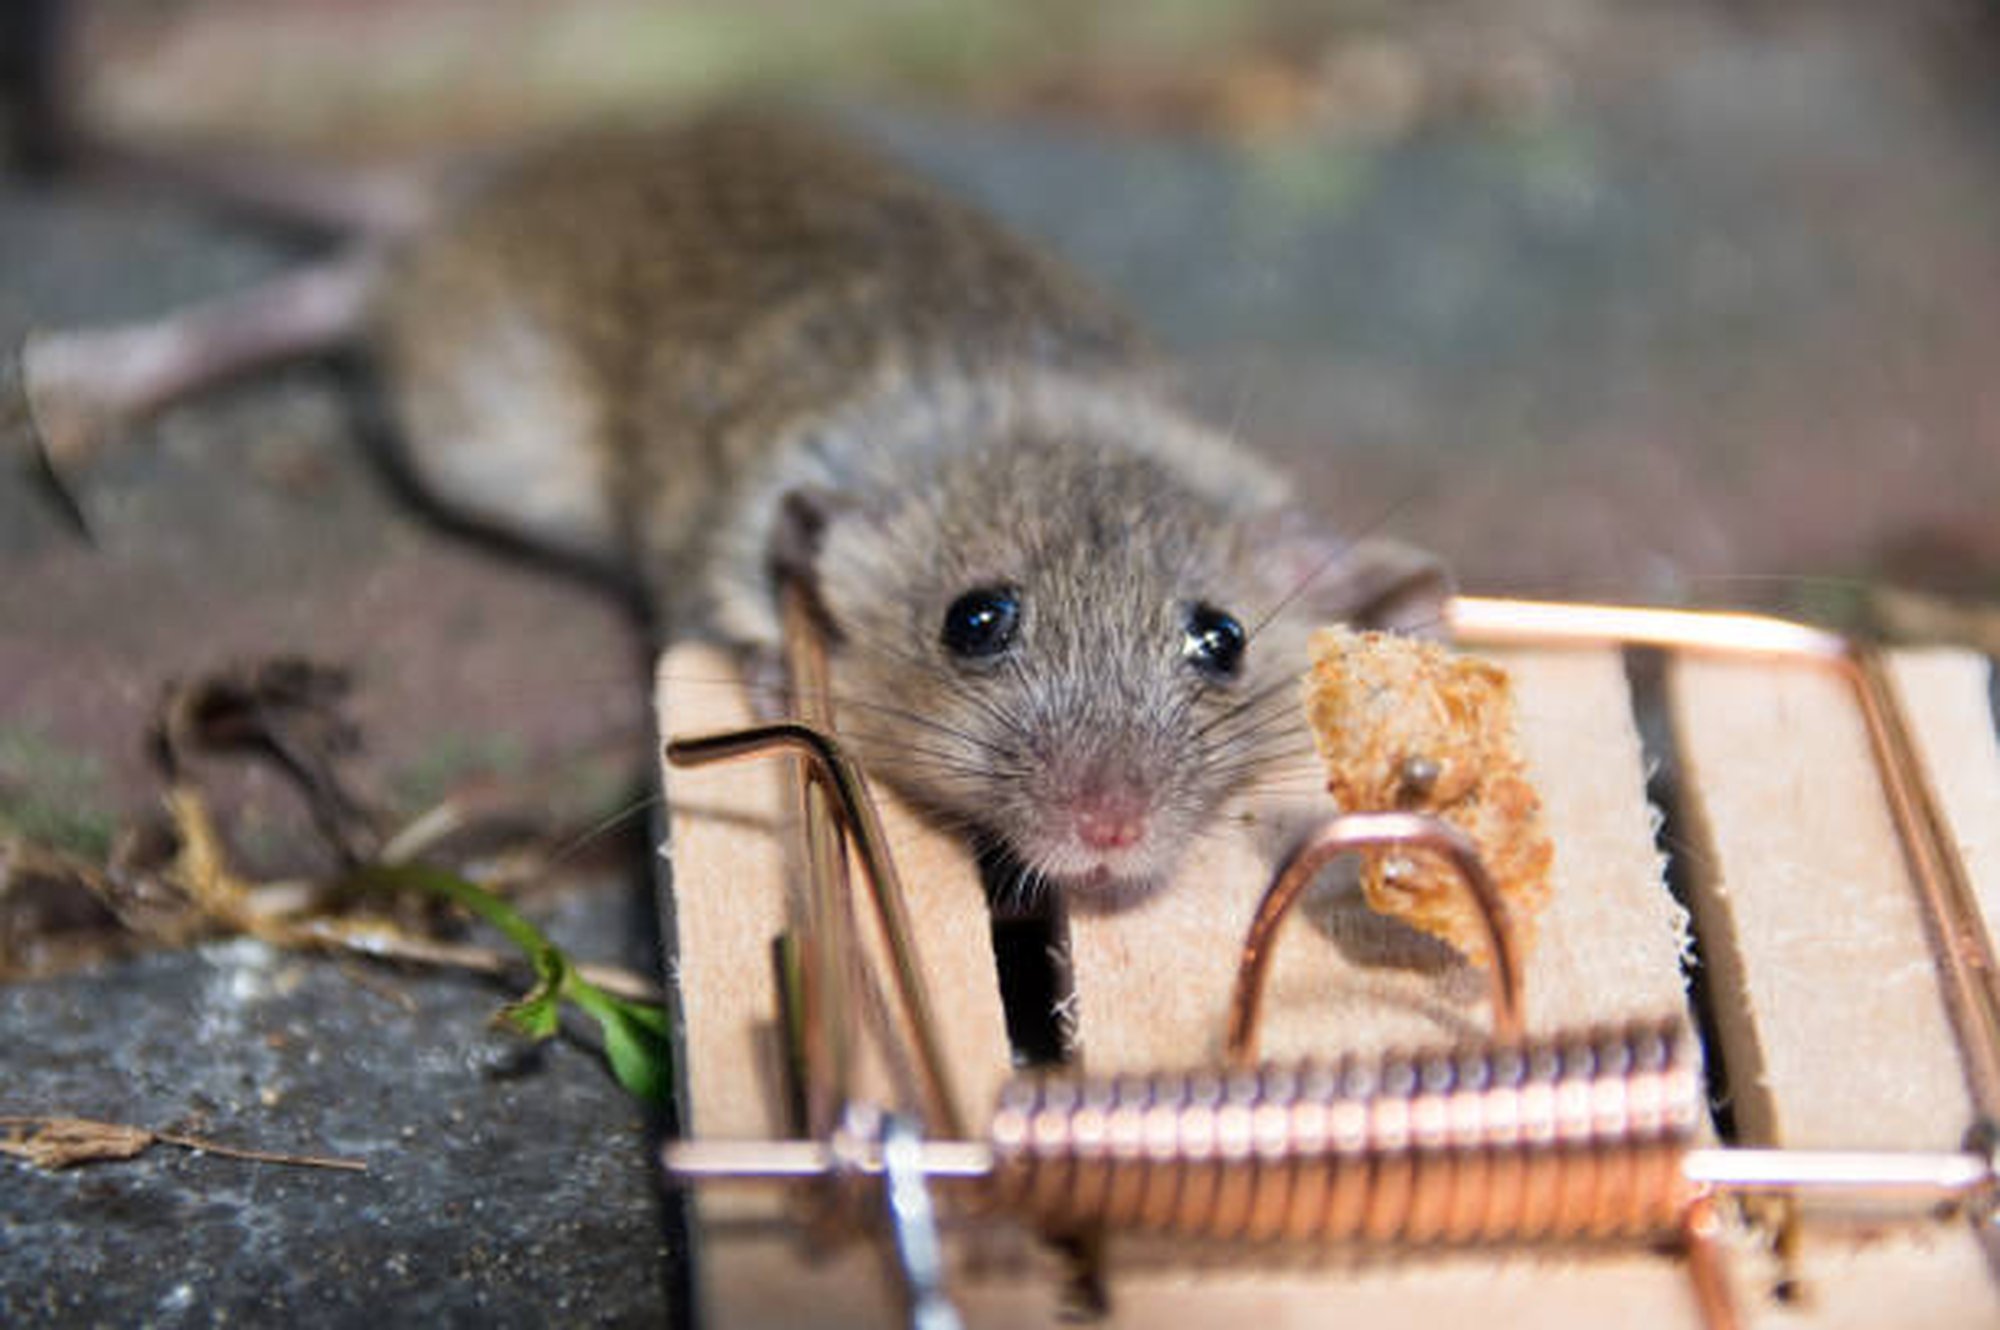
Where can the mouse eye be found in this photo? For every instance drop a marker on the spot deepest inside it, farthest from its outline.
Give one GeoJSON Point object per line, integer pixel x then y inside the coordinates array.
{"type": "Point", "coordinates": [981, 623]}
{"type": "Point", "coordinates": [1214, 642]}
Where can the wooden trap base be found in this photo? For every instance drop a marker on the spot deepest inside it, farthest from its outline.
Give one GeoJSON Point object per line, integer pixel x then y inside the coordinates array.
{"type": "Point", "coordinates": [1827, 1015]}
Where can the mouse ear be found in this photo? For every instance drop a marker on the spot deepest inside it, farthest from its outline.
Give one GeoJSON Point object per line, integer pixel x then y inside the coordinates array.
{"type": "Point", "coordinates": [803, 517]}
{"type": "Point", "coordinates": [799, 535]}
{"type": "Point", "coordinates": [1376, 583]}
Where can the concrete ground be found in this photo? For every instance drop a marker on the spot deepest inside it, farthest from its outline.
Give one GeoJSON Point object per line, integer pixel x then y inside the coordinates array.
{"type": "Point", "coordinates": [1697, 304]}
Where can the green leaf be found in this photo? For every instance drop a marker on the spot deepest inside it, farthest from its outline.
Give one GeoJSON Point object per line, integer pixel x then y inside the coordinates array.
{"type": "Point", "coordinates": [538, 1012]}
{"type": "Point", "coordinates": [641, 1055]}
{"type": "Point", "coordinates": [536, 1015]}
{"type": "Point", "coordinates": [638, 1040]}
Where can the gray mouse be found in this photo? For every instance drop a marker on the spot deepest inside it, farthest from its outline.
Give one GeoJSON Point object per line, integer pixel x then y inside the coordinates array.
{"type": "Point", "coordinates": [1067, 617]}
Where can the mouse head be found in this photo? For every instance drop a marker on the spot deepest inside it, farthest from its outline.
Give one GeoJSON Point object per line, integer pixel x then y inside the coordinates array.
{"type": "Point", "coordinates": [1075, 653]}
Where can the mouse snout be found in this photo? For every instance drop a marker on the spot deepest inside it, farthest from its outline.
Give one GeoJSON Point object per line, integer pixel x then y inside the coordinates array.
{"type": "Point", "coordinates": [1109, 815]}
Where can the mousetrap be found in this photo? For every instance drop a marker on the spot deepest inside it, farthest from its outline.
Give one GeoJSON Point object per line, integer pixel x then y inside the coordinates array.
{"type": "Point", "coordinates": [1262, 1100]}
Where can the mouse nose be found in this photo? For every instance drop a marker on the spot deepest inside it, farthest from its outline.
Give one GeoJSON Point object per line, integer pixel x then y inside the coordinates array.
{"type": "Point", "coordinates": [1110, 818]}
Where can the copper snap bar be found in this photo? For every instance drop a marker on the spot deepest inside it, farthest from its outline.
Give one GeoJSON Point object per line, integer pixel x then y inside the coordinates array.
{"type": "Point", "coordinates": [1360, 832]}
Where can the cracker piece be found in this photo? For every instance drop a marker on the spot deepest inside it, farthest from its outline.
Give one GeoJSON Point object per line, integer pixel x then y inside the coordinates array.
{"type": "Point", "coordinates": [1409, 726]}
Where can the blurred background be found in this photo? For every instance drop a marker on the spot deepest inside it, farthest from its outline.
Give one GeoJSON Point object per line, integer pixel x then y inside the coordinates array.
{"type": "Point", "coordinates": [1693, 303]}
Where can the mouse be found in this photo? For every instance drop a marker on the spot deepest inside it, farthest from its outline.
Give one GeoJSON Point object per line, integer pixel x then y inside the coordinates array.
{"type": "Point", "coordinates": [1066, 616]}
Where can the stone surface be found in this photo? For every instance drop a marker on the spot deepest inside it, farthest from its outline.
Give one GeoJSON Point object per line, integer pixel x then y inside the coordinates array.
{"type": "Point", "coordinates": [505, 1184]}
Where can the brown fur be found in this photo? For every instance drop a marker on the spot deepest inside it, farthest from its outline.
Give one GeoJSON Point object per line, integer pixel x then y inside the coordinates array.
{"type": "Point", "coordinates": [680, 341]}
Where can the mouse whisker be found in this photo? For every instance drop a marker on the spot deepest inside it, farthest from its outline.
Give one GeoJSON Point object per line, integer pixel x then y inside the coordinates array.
{"type": "Point", "coordinates": [598, 830]}
{"type": "Point", "coordinates": [1252, 703]}
{"type": "Point", "coordinates": [1340, 553]}
{"type": "Point", "coordinates": [1253, 762]}
{"type": "Point", "coordinates": [1277, 700]}
{"type": "Point", "coordinates": [927, 723]}
{"type": "Point", "coordinates": [881, 758]}
{"type": "Point", "coordinates": [1004, 722]}
{"type": "Point", "coordinates": [1029, 888]}
{"type": "Point", "coordinates": [1269, 737]}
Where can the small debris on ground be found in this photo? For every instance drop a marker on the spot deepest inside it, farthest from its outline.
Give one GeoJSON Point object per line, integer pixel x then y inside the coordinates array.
{"type": "Point", "coordinates": [57, 1142]}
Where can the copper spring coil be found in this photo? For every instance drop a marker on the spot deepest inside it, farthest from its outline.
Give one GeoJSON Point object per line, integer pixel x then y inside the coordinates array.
{"type": "Point", "coordinates": [1573, 1138]}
